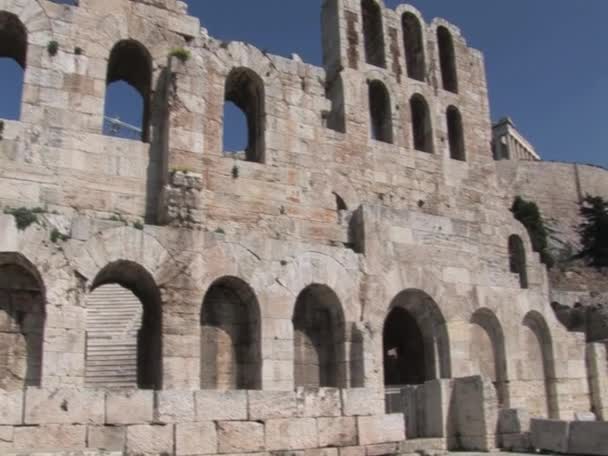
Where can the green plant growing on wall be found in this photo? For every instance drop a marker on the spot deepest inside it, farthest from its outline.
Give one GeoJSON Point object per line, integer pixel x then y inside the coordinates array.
{"type": "Point", "coordinates": [24, 217]}
{"type": "Point", "coordinates": [57, 235]}
{"type": "Point", "coordinates": [528, 214]}
{"type": "Point", "coordinates": [52, 48]}
{"type": "Point", "coordinates": [138, 225]}
{"type": "Point", "coordinates": [182, 54]}
{"type": "Point", "coordinates": [235, 172]}
{"type": "Point", "coordinates": [594, 231]}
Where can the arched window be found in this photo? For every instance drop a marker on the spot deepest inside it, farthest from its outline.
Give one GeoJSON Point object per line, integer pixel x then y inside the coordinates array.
{"type": "Point", "coordinates": [447, 59]}
{"type": "Point", "coordinates": [124, 322]}
{"type": "Point", "coordinates": [13, 54]}
{"type": "Point", "coordinates": [455, 134]}
{"type": "Point", "coordinates": [230, 337]}
{"type": "Point", "coordinates": [128, 92]}
{"type": "Point", "coordinates": [335, 92]}
{"type": "Point", "coordinates": [517, 259]}
{"type": "Point", "coordinates": [318, 324]}
{"type": "Point", "coordinates": [245, 89]}
{"type": "Point", "coordinates": [414, 46]}
{"type": "Point", "coordinates": [22, 317]}
{"type": "Point", "coordinates": [381, 117]}
{"type": "Point", "coordinates": [373, 33]}
{"type": "Point", "coordinates": [422, 130]}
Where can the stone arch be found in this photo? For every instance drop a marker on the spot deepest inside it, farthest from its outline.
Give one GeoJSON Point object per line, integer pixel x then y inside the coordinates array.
{"type": "Point", "coordinates": [517, 259]}
{"type": "Point", "coordinates": [22, 321]}
{"type": "Point", "coordinates": [424, 357]}
{"type": "Point", "coordinates": [230, 336]}
{"type": "Point", "coordinates": [447, 59]}
{"type": "Point", "coordinates": [130, 61]}
{"type": "Point", "coordinates": [245, 88]}
{"type": "Point", "coordinates": [422, 127]}
{"type": "Point", "coordinates": [373, 33]}
{"type": "Point", "coordinates": [488, 351]}
{"type": "Point", "coordinates": [413, 43]}
{"type": "Point", "coordinates": [538, 367]}
{"type": "Point", "coordinates": [141, 326]}
{"type": "Point", "coordinates": [455, 134]}
{"type": "Point", "coordinates": [319, 353]}
{"type": "Point", "coordinates": [380, 112]}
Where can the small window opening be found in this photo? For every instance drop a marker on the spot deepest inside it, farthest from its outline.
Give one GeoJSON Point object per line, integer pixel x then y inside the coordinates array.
{"type": "Point", "coordinates": [422, 130]}
{"type": "Point", "coordinates": [373, 33]}
{"type": "Point", "coordinates": [129, 84]}
{"type": "Point", "coordinates": [381, 118]}
{"type": "Point", "coordinates": [517, 259]}
{"type": "Point", "coordinates": [455, 134]}
{"type": "Point", "coordinates": [335, 92]}
{"type": "Point", "coordinates": [13, 55]}
{"type": "Point", "coordinates": [414, 47]}
{"type": "Point", "coordinates": [447, 60]}
{"type": "Point", "coordinates": [245, 90]}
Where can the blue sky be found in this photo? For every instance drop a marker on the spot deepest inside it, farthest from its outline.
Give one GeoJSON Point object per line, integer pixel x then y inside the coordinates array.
{"type": "Point", "coordinates": [546, 61]}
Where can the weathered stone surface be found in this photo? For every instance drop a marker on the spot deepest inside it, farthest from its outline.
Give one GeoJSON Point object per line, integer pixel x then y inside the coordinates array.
{"type": "Point", "coordinates": [337, 432]}
{"type": "Point", "coordinates": [291, 434]}
{"type": "Point", "coordinates": [174, 406]}
{"type": "Point", "coordinates": [363, 401]}
{"type": "Point", "coordinates": [111, 438]}
{"type": "Point", "coordinates": [150, 439]}
{"type": "Point", "coordinates": [550, 435]}
{"type": "Point", "coordinates": [129, 407]}
{"type": "Point", "coordinates": [196, 439]}
{"type": "Point", "coordinates": [240, 436]}
{"type": "Point", "coordinates": [67, 437]}
{"type": "Point", "coordinates": [221, 405]}
{"type": "Point", "coordinates": [381, 429]}
{"type": "Point", "coordinates": [588, 438]}
{"type": "Point", "coordinates": [313, 402]}
{"type": "Point", "coordinates": [64, 406]}
{"type": "Point", "coordinates": [11, 407]}
{"type": "Point", "coordinates": [265, 405]}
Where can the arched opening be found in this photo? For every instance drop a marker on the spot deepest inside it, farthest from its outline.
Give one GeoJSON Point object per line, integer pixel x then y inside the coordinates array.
{"type": "Point", "coordinates": [373, 33]}
{"type": "Point", "coordinates": [124, 329]}
{"type": "Point", "coordinates": [455, 134]}
{"type": "Point", "coordinates": [414, 47]}
{"type": "Point", "coordinates": [422, 130]}
{"type": "Point", "coordinates": [13, 55]}
{"type": "Point", "coordinates": [128, 91]}
{"type": "Point", "coordinates": [230, 337]}
{"type": "Point", "coordinates": [336, 118]}
{"type": "Point", "coordinates": [245, 90]}
{"type": "Point", "coordinates": [447, 59]}
{"type": "Point", "coordinates": [22, 317]}
{"type": "Point", "coordinates": [488, 353]}
{"type": "Point", "coordinates": [318, 324]}
{"type": "Point", "coordinates": [380, 113]}
{"type": "Point", "coordinates": [517, 259]}
{"type": "Point", "coordinates": [538, 367]}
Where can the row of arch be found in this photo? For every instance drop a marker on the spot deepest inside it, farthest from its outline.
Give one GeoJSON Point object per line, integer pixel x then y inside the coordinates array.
{"type": "Point", "coordinates": [416, 338]}
{"type": "Point", "coordinates": [413, 44]}
{"type": "Point", "coordinates": [381, 122]}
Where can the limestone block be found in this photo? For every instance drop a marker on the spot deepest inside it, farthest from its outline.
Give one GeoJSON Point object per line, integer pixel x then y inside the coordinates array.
{"type": "Point", "coordinates": [129, 407]}
{"type": "Point", "coordinates": [174, 406]}
{"type": "Point", "coordinates": [291, 434]}
{"type": "Point", "coordinates": [318, 402]}
{"type": "Point", "coordinates": [362, 401]}
{"type": "Point", "coordinates": [265, 405]}
{"type": "Point", "coordinates": [111, 438]}
{"type": "Point", "coordinates": [516, 442]}
{"type": "Point", "coordinates": [240, 436]}
{"type": "Point", "coordinates": [381, 429]}
{"type": "Point", "coordinates": [550, 435]}
{"type": "Point", "coordinates": [195, 438]}
{"type": "Point", "coordinates": [11, 407]}
{"type": "Point", "coordinates": [352, 451]}
{"type": "Point", "coordinates": [382, 449]}
{"type": "Point", "coordinates": [315, 452]}
{"type": "Point", "coordinates": [64, 406]}
{"type": "Point", "coordinates": [337, 432]}
{"type": "Point", "coordinates": [590, 438]}
{"type": "Point", "coordinates": [7, 434]}
{"type": "Point", "coordinates": [513, 421]}
{"type": "Point", "coordinates": [8, 233]}
{"type": "Point", "coordinates": [220, 405]}
{"type": "Point", "coordinates": [66, 437]}
{"type": "Point", "coordinates": [144, 438]}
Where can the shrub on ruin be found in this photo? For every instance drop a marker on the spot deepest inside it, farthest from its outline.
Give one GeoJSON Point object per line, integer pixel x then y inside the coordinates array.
{"type": "Point", "coordinates": [594, 231]}
{"type": "Point", "coordinates": [182, 54]}
{"type": "Point", "coordinates": [528, 214]}
{"type": "Point", "coordinates": [52, 48]}
{"type": "Point", "coordinates": [24, 216]}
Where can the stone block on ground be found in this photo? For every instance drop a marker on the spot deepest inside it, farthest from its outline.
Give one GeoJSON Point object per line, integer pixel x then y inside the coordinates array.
{"type": "Point", "coordinates": [550, 435]}
{"type": "Point", "coordinates": [588, 438]}
{"type": "Point", "coordinates": [381, 429]}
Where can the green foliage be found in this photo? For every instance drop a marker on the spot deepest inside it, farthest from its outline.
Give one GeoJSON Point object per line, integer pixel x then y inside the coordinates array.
{"type": "Point", "coordinates": [1, 130]}
{"type": "Point", "coordinates": [528, 214]}
{"type": "Point", "coordinates": [138, 225]}
{"type": "Point", "coordinates": [220, 231]}
{"type": "Point", "coordinates": [594, 231]}
{"type": "Point", "coordinates": [78, 50]}
{"type": "Point", "coordinates": [235, 172]}
{"type": "Point", "coordinates": [52, 48]}
{"type": "Point", "coordinates": [24, 216]}
{"type": "Point", "coordinates": [57, 235]}
{"type": "Point", "coordinates": [181, 53]}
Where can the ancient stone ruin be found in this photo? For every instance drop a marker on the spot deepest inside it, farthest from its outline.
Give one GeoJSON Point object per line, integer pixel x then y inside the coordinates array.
{"type": "Point", "coordinates": [352, 284]}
